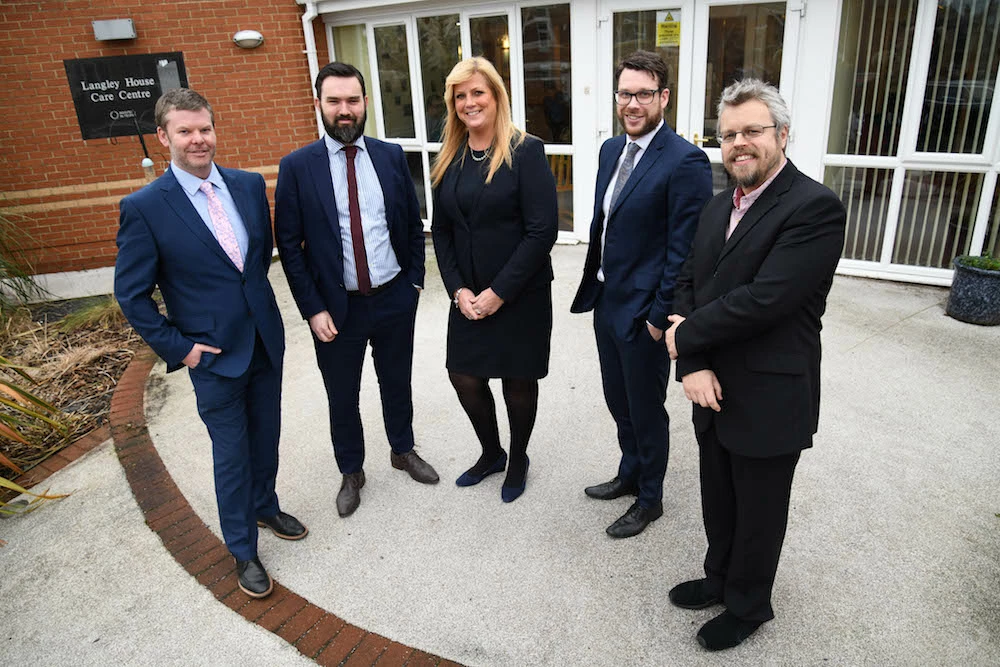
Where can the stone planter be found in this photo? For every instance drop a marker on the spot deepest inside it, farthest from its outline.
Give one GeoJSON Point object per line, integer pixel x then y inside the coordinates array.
{"type": "Point", "coordinates": [975, 295]}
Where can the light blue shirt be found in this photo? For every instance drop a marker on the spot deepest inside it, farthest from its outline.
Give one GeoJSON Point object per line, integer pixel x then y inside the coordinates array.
{"type": "Point", "coordinates": [382, 263]}
{"type": "Point", "coordinates": [191, 185]}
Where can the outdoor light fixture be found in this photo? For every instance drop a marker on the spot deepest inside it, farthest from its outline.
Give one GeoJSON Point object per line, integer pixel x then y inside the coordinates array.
{"type": "Point", "coordinates": [248, 39]}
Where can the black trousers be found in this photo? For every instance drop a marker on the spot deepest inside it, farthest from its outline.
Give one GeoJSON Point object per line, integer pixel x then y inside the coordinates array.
{"type": "Point", "coordinates": [744, 503]}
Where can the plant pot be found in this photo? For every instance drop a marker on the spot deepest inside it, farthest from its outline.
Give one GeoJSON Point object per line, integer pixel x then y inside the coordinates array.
{"type": "Point", "coordinates": [975, 295]}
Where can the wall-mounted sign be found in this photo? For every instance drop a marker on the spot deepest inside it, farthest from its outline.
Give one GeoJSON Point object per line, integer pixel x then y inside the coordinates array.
{"type": "Point", "coordinates": [112, 95]}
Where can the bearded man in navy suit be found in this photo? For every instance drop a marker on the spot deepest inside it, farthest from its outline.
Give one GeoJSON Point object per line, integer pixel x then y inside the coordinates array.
{"type": "Point", "coordinates": [202, 234]}
{"type": "Point", "coordinates": [351, 241]}
{"type": "Point", "coordinates": [651, 186]}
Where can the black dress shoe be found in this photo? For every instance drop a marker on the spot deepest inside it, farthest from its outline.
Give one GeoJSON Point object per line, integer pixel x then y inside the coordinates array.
{"type": "Point", "coordinates": [635, 520]}
{"type": "Point", "coordinates": [616, 488]}
{"type": "Point", "coordinates": [285, 526]}
{"type": "Point", "coordinates": [692, 595]}
{"type": "Point", "coordinates": [411, 462]}
{"type": "Point", "coordinates": [726, 631]}
{"type": "Point", "coordinates": [350, 493]}
{"type": "Point", "coordinates": [253, 578]}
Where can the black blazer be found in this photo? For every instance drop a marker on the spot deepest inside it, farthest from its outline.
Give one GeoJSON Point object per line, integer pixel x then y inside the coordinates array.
{"type": "Point", "coordinates": [307, 228]}
{"type": "Point", "coordinates": [753, 306]}
{"type": "Point", "coordinates": [505, 242]}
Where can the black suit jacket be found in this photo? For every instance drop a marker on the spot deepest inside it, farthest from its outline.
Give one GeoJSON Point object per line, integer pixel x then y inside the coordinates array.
{"type": "Point", "coordinates": [505, 241]}
{"type": "Point", "coordinates": [307, 228]}
{"type": "Point", "coordinates": [753, 306]}
{"type": "Point", "coordinates": [649, 231]}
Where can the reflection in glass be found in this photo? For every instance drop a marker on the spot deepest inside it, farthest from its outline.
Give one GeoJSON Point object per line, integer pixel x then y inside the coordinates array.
{"type": "Point", "coordinates": [873, 60]}
{"type": "Point", "coordinates": [491, 40]}
{"type": "Point", "coordinates": [440, 49]}
{"type": "Point", "coordinates": [634, 31]}
{"type": "Point", "coordinates": [351, 46]}
{"type": "Point", "coordinates": [394, 81]}
{"type": "Point", "coordinates": [743, 40]}
{"type": "Point", "coordinates": [547, 68]}
{"type": "Point", "coordinates": [936, 217]}
{"type": "Point", "coordinates": [991, 246]}
{"type": "Point", "coordinates": [562, 169]}
{"type": "Point", "coordinates": [963, 68]}
{"type": "Point", "coordinates": [865, 193]}
{"type": "Point", "coordinates": [415, 162]}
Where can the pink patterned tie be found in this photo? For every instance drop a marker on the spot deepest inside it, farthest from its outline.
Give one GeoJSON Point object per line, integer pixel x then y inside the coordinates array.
{"type": "Point", "coordinates": [223, 228]}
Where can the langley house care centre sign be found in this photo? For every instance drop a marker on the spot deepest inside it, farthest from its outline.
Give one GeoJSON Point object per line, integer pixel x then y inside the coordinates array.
{"type": "Point", "coordinates": [114, 95]}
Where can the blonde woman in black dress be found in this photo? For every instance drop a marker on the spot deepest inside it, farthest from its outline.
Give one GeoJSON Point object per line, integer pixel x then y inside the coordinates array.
{"type": "Point", "coordinates": [495, 222]}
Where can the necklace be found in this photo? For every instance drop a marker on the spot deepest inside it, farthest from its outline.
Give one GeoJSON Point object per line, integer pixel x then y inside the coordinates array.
{"type": "Point", "coordinates": [479, 158]}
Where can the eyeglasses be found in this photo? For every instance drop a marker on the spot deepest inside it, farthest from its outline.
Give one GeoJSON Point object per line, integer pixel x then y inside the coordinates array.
{"type": "Point", "coordinates": [623, 97]}
{"type": "Point", "coordinates": [749, 133]}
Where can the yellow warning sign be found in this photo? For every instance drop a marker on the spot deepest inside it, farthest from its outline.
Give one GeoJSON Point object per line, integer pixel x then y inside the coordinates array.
{"type": "Point", "coordinates": [668, 33]}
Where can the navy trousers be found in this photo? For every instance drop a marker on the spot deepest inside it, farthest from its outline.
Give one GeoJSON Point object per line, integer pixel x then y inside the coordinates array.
{"type": "Point", "coordinates": [634, 374]}
{"type": "Point", "coordinates": [243, 416]}
{"type": "Point", "coordinates": [386, 320]}
{"type": "Point", "coordinates": [745, 507]}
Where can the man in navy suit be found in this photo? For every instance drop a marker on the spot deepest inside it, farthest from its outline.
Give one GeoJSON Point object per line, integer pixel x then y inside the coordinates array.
{"type": "Point", "coordinates": [202, 234]}
{"type": "Point", "coordinates": [651, 186]}
{"type": "Point", "coordinates": [351, 242]}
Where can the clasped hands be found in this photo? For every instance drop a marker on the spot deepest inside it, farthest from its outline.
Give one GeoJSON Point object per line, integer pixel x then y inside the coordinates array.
{"type": "Point", "coordinates": [478, 306]}
{"type": "Point", "coordinates": [701, 387]}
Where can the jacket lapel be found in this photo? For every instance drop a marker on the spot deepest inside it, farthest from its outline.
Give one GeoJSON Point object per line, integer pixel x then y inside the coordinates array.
{"type": "Point", "coordinates": [649, 158]}
{"type": "Point", "coordinates": [178, 201]}
{"type": "Point", "coordinates": [768, 200]}
{"type": "Point", "coordinates": [319, 169]}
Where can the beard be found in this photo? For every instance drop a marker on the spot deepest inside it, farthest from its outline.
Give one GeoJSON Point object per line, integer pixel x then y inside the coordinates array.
{"type": "Point", "coordinates": [345, 134]}
{"type": "Point", "coordinates": [648, 125]}
{"type": "Point", "coordinates": [750, 177]}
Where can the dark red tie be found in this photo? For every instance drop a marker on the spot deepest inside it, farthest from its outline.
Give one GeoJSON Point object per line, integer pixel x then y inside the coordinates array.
{"type": "Point", "coordinates": [357, 233]}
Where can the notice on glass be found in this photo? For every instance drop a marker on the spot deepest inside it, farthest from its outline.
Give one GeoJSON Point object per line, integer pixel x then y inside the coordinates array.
{"type": "Point", "coordinates": [668, 29]}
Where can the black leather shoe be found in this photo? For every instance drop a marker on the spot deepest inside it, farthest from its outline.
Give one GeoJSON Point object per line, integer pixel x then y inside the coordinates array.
{"type": "Point", "coordinates": [616, 488]}
{"type": "Point", "coordinates": [285, 526]}
{"type": "Point", "coordinates": [692, 595]}
{"type": "Point", "coordinates": [349, 496]}
{"type": "Point", "coordinates": [726, 631]}
{"type": "Point", "coordinates": [635, 520]}
{"type": "Point", "coordinates": [254, 579]}
{"type": "Point", "coordinates": [411, 462]}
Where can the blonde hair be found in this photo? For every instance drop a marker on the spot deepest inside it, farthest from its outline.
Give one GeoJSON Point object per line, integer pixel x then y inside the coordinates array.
{"type": "Point", "coordinates": [506, 136]}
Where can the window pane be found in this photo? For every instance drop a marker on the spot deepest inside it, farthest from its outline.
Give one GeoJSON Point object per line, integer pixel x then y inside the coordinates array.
{"type": "Point", "coordinates": [562, 169]}
{"type": "Point", "coordinates": [350, 43]}
{"type": "Point", "coordinates": [721, 180]}
{"type": "Point", "coordinates": [991, 246]}
{"type": "Point", "coordinates": [743, 40]}
{"type": "Point", "coordinates": [865, 193]}
{"type": "Point", "coordinates": [491, 41]}
{"type": "Point", "coordinates": [873, 59]}
{"type": "Point", "coordinates": [634, 31]}
{"type": "Point", "coordinates": [963, 67]}
{"type": "Point", "coordinates": [936, 217]}
{"type": "Point", "coordinates": [440, 49]}
{"type": "Point", "coordinates": [416, 164]}
{"type": "Point", "coordinates": [547, 66]}
{"type": "Point", "coordinates": [394, 81]}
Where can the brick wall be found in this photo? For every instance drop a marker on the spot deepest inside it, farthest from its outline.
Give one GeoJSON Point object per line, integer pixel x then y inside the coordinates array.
{"type": "Point", "coordinates": [64, 191]}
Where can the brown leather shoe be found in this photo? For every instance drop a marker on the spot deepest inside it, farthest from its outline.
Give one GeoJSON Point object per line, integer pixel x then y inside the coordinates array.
{"type": "Point", "coordinates": [419, 469]}
{"type": "Point", "coordinates": [350, 493]}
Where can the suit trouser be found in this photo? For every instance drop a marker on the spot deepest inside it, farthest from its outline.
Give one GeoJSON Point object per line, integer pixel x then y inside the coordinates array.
{"type": "Point", "coordinates": [745, 507]}
{"type": "Point", "coordinates": [386, 320]}
{"type": "Point", "coordinates": [634, 374]}
{"type": "Point", "coordinates": [243, 416]}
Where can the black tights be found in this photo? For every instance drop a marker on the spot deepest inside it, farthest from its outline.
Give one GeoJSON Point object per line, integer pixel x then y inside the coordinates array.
{"type": "Point", "coordinates": [521, 397]}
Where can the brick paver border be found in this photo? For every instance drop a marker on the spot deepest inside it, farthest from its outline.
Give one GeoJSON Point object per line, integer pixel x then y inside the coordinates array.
{"type": "Point", "coordinates": [315, 632]}
{"type": "Point", "coordinates": [58, 461]}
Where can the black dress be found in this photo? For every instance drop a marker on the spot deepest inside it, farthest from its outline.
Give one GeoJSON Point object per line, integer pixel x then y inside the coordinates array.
{"type": "Point", "coordinates": [500, 236]}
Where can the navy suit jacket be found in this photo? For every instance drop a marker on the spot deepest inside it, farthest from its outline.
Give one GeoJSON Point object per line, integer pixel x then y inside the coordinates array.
{"type": "Point", "coordinates": [753, 306]}
{"type": "Point", "coordinates": [307, 228]}
{"type": "Point", "coordinates": [649, 231]}
{"type": "Point", "coordinates": [163, 242]}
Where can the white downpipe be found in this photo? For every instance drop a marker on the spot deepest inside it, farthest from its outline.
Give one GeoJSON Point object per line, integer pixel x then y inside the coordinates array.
{"type": "Point", "coordinates": [310, 39]}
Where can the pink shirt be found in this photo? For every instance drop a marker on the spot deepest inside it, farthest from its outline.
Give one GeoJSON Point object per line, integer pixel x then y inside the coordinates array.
{"type": "Point", "coordinates": [743, 201]}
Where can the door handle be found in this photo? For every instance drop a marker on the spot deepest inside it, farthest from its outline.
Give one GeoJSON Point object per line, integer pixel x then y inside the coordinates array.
{"type": "Point", "coordinates": [702, 140]}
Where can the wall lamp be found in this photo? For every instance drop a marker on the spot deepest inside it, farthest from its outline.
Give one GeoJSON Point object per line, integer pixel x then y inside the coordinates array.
{"type": "Point", "coordinates": [248, 39]}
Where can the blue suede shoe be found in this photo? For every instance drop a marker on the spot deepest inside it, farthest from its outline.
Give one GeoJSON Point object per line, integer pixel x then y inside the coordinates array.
{"type": "Point", "coordinates": [509, 494]}
{"type": "Point", "coordinates": [469, 478]}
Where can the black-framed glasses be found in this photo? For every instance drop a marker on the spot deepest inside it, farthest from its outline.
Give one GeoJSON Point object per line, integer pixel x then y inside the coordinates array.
{"type": "Point", "coordinates": [623, 97]}
{"type": "Point", "coordinates": [750, 132]}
